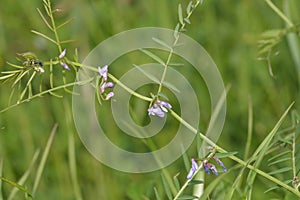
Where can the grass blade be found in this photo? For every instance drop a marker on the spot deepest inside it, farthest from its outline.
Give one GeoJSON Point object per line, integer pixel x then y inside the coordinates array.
{"type": "Point", "coordinates": [1, 168]}
{"type": "Point", "coordinates": [25, 175]}
{"type": "Point", "coordinates": [20, 187]}
{"type": "Point", "coordinates": [72, 152]}
{"type": "Point", "coordinates": [167, 188]}
{"type": "Point", "coordinates": [156, 194]}
{"type": "Point", "coordinates": [44, 159]}
{"type": "Point", "coordinates": [260, 152]}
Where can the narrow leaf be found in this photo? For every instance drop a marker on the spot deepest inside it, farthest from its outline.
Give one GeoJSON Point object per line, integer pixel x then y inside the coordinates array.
{"type": "Point", "coordinates": [176, 31]}
{"type": "Point", "coordinates": [171, 86]}
{"type": "Point", "coordinates": [148, 75]}
{"type": "Point", "coordinates": [156, 194]}
{"type": "Point", "coordinates": [166, 187]}
{"type": "Point", "coordinates": [176, 181]}
{"type": "Point", "coordinates": [64, 23]}
{"type": "Point", "coordinates": [224, 155]}
{"type": "Point", "coordinates": [189, 8]}
{"type": "Point", "coordinates": [44, 159]}
{"type": "Point", "coordinates": [282, 170]}
{"type": "Point", "coordinates": [278, 155]}
{"type": "Point", "coordinates": [195, 182]}
{"type": "Point", "coordinates": [180, 14]}
{"type": "Point", "coordinates": [279, 161]}
{"type": "Point", "coordinates": [20, 187]}
{"type": "Point", "coordinates": [187, 20]}
{"type": "Point", "coordinates": [185, 197]}
{"type": "Point", "coordinates": [162, 43]}
{"type": "Point", "coordinates": [44, 19]}
{"type": "Point", "coordinates": [1, 168]}
{"type": "Point", "coordinates": [153, 56]}
{"type": "Point", "coordinates": [25, 175]}
{"type": "Point", "coordinates": [44, 36]}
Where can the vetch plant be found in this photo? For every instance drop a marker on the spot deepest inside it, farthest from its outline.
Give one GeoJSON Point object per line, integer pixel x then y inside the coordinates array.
{"type": "Point", "coordinates": [22, 76]}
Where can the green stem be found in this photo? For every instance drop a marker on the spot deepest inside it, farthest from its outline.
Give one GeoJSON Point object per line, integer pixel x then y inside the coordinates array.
{"type": "Point", "coordinates": [115, 80]}
{"type": "Point", "coordinates": [54, 26]}
{"type": "Point", "coordinates": [279, 13]}
{"type": "Point", "coordinates": [171, 51]}
{"type": "Point", "coordinates": [238, 160]}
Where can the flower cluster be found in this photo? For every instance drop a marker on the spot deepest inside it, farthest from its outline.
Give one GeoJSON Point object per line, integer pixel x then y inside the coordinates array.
{"type": "Point", "coordinates": [104, 84]}
{"type": "Point", "coordinates": [159, 108]}
{"type": "Point", "coordinates": [61, 60]}
{"type": "Point", "coordinates": [208, 167]}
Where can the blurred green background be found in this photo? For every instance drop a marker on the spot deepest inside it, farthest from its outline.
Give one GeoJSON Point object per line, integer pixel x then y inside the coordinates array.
{"type": "Point", "coordinates": [228, 30]}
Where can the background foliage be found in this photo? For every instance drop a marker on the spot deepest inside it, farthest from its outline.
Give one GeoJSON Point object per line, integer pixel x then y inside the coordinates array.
{"type": "Point", "coordinates": [228, 30]}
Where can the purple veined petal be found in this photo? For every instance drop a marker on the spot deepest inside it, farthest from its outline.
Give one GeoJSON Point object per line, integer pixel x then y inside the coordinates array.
{"type": "Point", "coordinates": [190, 174]}
{"type": "Point", "coordinates": [150, 111]}
{"type": "Point", "coordinates": [205, 167]}
{"type": "Point", "coordinates": [193, 169]}
{"type": "Point", "coordinates": [106, 85]}
{"type": "Point", "coordinates": [164, 104]}
{"type": "Point", "coordinates": [220, 163]}
{"type": "Point", "coordinates": [109, 95]}
{"type": "Point", "coordinates": [102, 87]}
{"type": "Point", "coordinates": [62, 54]}
{"type": "Point", "coordinates": [212, 168]}
{"type": "Point", "coordinates": [194, 164]}
{"type": "Point", "coordinates": [157, 110]}
{"type": "Point", "coordinates": [109, 85]}
{"type": "Point", "coordinates": [103, 72]}
{"type": "Point", "coordinates": [64, 65]}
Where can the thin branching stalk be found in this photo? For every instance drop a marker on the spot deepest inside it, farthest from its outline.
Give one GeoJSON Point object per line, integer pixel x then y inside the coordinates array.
{"type": "Point", "coordinates": [183, 25]}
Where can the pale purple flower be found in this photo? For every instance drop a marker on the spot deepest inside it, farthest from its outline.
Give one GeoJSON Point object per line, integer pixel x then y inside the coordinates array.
{"type": "Point", "coordinates": [64, 65]}
{"type": "Point", "coordinates": [109, 95]}
{"type": "Point", "coordinates": [164, 104]}
{"type": "Point", "coordinates": [106, 85]}
{"type": "Point", "coordinates": [103, 72]}
{"type": "Point", "coordinates": [159, 108]}
{"type": "Point", "coordinates": [193, 169]}
{"type": "Point", "coordinates": [156, 110]}
{"type": "Point", "coordinates": [212, 168]}
{"type": "Point", "coordinates": [62, 54]}
{"type": "Point", "coordinates": [220, 163]}
{"type": "Point", "coordinates": [205, 167]}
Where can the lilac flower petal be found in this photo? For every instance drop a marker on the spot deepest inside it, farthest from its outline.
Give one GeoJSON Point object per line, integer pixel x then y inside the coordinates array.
{"type": "Point", "coordinates": [205, 167]}
{"type": "Point", "coordinates": [64, 65]}
{"type": "Point", "coordinates": [164, 104]}
{"type": "Point", "coordinates": [156, 110]}
{"type": "Point", "coordinates": [62, 54]}
{"type": "Point", "coordinates": [193, 169]}
{"type": "Point", "coordinates": [109, 95]}
{"type": "Point", "coordinates": [102, 87]}
{"type": "Point", "coordinates": [109, 85]}
{"type": "Point", "coordinates": [220, 163]}
{"type": "Point", "coordinates": [103, 72]}
{"type": "Point", "coordinates": [194, 164]}
{"type": "Point", "coordinates": [190, 174]}
{"type": "Point", "coordinates": [212, 168]}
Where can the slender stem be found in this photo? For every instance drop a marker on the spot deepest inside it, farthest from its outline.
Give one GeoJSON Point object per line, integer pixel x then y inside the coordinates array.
{"type": "Point", "coordinates": [172, 50]}
{"type": "Point", "coordinates": [54, 26]}
{"type": "Point", "coordinates": [238, 160]}
{"type": "Point", "coordinates": [115, 80]}
{"type": "Point", "coordinates": [279, 13]}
